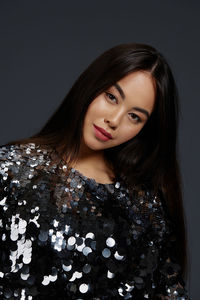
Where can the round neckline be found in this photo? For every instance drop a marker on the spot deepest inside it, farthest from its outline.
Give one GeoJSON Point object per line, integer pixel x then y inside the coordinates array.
{"type": "Point", "coordinates": [73, 170]}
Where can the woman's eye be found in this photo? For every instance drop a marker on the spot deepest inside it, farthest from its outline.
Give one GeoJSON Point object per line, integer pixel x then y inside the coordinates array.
{"type": "Point", "coordinates": [110, 96]}
{"type": "Point", "coordinates": [135, 117]}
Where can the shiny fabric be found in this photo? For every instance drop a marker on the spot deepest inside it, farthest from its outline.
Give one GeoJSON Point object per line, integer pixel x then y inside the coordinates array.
{"type": "Point", "coordinates": [66, 236]}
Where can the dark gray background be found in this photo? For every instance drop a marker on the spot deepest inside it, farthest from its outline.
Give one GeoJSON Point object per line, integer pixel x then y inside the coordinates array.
{"type": "Point", "coordinates": [45, 45]}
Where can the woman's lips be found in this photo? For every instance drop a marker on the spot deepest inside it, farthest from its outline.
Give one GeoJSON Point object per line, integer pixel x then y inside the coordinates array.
{"type": "Point", "coordinates": [105, 136]}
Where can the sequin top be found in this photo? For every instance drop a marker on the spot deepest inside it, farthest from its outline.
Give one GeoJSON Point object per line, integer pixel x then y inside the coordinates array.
{"type": "Point", "coordinates": [66, 236]}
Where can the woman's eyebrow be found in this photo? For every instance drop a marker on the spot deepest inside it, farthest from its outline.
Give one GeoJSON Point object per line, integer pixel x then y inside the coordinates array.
{"type": "Point", "coordinates": [142, 110]}
{"type": "Point", "coordinates": [118, 87]}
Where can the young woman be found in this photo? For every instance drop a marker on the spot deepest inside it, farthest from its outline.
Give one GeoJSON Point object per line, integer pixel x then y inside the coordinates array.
{"type": "Point", "coordinates": [91, 206]}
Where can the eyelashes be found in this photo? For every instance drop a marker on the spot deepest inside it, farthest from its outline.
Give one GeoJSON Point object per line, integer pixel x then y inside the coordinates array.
{"type": "Point", "coordinates": [138, 118]}
{"type": "Point", "coordinates": [111, 97]}
{"type": "Point", "coordinates": [109, 94]}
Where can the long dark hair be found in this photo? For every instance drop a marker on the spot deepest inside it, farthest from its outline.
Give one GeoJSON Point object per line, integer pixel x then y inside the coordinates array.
{"type": "Point", "coordinates": [151, 156]}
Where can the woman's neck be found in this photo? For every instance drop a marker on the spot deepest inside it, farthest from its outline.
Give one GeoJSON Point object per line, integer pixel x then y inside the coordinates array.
{"type": "Point", "coordinates": [94, 166]}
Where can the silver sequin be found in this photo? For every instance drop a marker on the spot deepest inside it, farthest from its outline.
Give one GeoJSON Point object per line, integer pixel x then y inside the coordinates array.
{"type": "Point", "coordinates": [64, 235]}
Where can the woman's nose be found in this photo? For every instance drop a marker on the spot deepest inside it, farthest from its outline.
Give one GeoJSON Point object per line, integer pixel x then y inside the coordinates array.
{"type": "Point", "coordinates": [114, 118]}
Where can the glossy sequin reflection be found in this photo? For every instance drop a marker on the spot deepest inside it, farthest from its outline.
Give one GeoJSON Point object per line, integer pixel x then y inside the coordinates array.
{"type": "Point", "coordinates": [65, 236]}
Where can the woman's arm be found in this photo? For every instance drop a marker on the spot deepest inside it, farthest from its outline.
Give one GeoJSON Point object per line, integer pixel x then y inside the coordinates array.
{"type": "Point", "coordinates": [167, 274]}
{"type": "Point", "coordinates": [5, 262]}
{"type": "Point", "coordinates": [10, 170]}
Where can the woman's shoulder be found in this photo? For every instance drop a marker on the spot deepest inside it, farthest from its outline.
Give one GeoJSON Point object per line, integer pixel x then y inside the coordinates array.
{"type": "Point", "coordinates": [24, 151]}
{"type": "Point", "coordinates": [13, 157]}
{"type": "Point", "coordinates": [145, 195]}
{"type": "Point", "coordinates": [151, 204]}
{"type": "Point", "coordinates": [17, 152]}
{"type": "Point", "coordinates": [16, 160]}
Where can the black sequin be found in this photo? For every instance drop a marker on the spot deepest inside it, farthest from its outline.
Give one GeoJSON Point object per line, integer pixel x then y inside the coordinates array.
{"type": "Point", "coordinates": [65, 236]}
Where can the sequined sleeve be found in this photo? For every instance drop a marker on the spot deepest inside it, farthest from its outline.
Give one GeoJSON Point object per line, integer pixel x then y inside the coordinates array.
{"type": "Point", "coordinates": [5, 197]}
{"type": "Point", "coordinates": [168, 281]}
{"type": "Point", "coordinates": [13, 246]}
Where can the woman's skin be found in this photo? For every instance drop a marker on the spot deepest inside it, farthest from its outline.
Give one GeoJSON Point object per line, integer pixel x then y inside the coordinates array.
{"type": "Point", "coordinates": [118, 117]}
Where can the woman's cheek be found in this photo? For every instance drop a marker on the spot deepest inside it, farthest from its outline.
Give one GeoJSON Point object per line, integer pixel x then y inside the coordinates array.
{"type": "Point", "coordinates": [97, 108]}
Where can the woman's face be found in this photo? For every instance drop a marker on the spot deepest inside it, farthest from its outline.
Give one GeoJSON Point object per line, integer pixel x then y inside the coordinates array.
{"type": "Point", "coordinates": [122, 110]}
